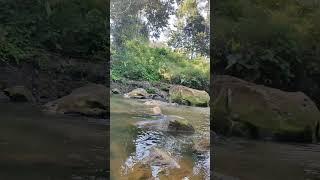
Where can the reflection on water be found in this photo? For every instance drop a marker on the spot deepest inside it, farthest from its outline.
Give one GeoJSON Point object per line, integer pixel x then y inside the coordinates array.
{"type": "Point", "coordinates": [133, 147]}
{"type": "Point", "coordinates": [35, 146]}
{"type": "Point", "coordinates": [252, 160]}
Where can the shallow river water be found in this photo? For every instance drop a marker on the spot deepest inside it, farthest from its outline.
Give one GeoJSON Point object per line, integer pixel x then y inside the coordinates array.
{"type": "Point", "coordinates": [258, 160]}
{"type": "Point", "coordinates": [129, 145]}
{"type": "Point", "coordinates": [34, 145]}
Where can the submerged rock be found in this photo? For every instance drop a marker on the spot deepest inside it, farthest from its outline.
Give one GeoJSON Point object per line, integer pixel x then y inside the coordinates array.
{"type": "Point", "coordinates": [247, 109]}
{"type": "Point", "coordinates": [161, 158]}
{"type": "Point", "coordinates": [159, 124]}
{"type": "Point", "coordinates": [202, 145]}
{"type": "Point", "coordinates": [189, 96]}
{"type": "Point", "coordinates": [171, 124]}
{"type": "Point", "coordinates": [156, 111]}
{"type": "Point", "coordinates": [19, 94]}
{"type": "Point", "coordinates": [138, 93]}
{"type": "Point", "coordinates": [140, 171]}
{"type": "Point", "coordinates": [150, 111]}
{"type": "Point", "coordinates": [90, 100]}
{"type": "Point", "coordinates": [157, 162]}
{"type": "Point", "coordinates": [158, 103]}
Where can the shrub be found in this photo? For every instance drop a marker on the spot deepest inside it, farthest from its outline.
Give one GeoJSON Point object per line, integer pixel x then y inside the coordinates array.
{"type": "Point", "coordinates": [140, 61]}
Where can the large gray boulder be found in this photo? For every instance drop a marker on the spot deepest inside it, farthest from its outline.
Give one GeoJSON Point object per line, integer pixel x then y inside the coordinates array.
{"type": "Point", "coordinates": [246, 109]}
{"type": "Point", "coordinates": [138, 93]}
{"type": "Point", "coordinates": [90, 100]}
{"type": "Point", "coordinates": [188, 96]}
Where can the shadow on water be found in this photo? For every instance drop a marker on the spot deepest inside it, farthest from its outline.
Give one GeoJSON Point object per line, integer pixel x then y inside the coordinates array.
{"type": "Point", "coordinates": [252, 160]}
{"type": "Point", "coordinates": [34, 145]}
{"type": "Point", "coordinates": [131, 146]}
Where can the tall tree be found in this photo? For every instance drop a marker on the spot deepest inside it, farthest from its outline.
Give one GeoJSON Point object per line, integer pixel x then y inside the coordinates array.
{"type": "Point", "coordinates": [192, 29]}
{"type": "Point", "coordinates": [138, 18]}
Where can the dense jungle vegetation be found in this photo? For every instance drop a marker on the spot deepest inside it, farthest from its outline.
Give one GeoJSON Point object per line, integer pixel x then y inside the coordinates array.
{"type": "Point", "coordinates": [30, 29]}
{"type": "Point", "coordinates": [273, 42]}
{"type": "Point", "coordinates": [183, 58]}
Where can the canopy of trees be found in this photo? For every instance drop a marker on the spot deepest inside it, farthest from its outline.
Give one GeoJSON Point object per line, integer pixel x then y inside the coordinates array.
{"type": "Point", "coordinates": [134, 56]}
{"type": "Point", "coordinates": [273, 42]}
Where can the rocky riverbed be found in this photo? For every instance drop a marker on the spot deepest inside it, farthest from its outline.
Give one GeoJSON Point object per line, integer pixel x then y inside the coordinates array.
{"type": "Point", "coordinates": [144, 146]}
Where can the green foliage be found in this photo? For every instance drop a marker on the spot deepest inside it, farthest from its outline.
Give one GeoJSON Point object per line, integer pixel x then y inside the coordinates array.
{"type": "Point", "coordinates": [269, 42]}
{"type": "Point", "coordinates": [137, 62]}
{"type": "Point", "coordinates": [151, 90]}
{"type": "Point", "coordinates": [9, 51]}
{"type": "Point", "coordinates": [70, 27]}
{"type": "Point", "coordinates": [193, 73]}
{"type": "Point", "coordinates": [132, 19]}
{"type": "Point", "coordinates": [140, 61]}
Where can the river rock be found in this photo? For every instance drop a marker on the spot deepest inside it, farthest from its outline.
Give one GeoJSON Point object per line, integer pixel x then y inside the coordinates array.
{"type": "Point", "coordinates": [189, 96]}
{"type": "Point", "coordinates": [90, 100]}
{"type": "Point", "coordinates": [161, 158]}
{"type": "Point", "coordinates": [158, 103]}
{"type": "Point", "coordinates": [180, 126]}
{"type": "Point", "coordinates": [258, 111]}
{"type": "Point", "coordinates": [138, 93]}
{"type": "Point", "coordinates": [140, 171]}
{"type": "Point", "coordinates": [19, 94]}
{"type": "Point", "coordinates": [159, 124]}
{"type": "Point", "coordinates": [156, 158]}
{"type": "Point", "coordinates": [115, 91]}
{"type": "Point", "coordinates": [156, 111]}
{"type": "Point", "coordinates": [151, 111]}
{"type": "Point", "coordinates": [202, 145]}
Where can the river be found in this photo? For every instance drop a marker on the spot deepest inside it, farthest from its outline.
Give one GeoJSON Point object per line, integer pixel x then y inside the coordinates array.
{"type": "Point", "coordinates": [34, 145]}
{"type": "Point", "coordinates": [259, 160]}
{"type": "Point", "coordinates": [129, 145]}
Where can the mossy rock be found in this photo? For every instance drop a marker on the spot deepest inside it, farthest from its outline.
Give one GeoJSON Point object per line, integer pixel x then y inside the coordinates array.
{"type": "Point", "coordinates": [138, 93]}
{"type": "Point", "coordinates": [90, 100]}
{"type": "Point", "coordinates": [188, 96]}
{"type": "Point", "coordinates": [180, 126]}
{"type": "Point", "coordinates": [19, 94]}
{"type": "Point", "coordinates": [262, 111]}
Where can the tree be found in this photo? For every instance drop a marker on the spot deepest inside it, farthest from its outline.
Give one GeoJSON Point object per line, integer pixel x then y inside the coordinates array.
{"type": "Point", "coordinates": [192, 30]}
{"type": "Point", "coordinates": [138, 18]}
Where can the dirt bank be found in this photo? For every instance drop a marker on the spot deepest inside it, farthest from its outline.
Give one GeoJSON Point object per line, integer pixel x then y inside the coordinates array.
{"type": "Point", "coordinates": [55, 77]}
